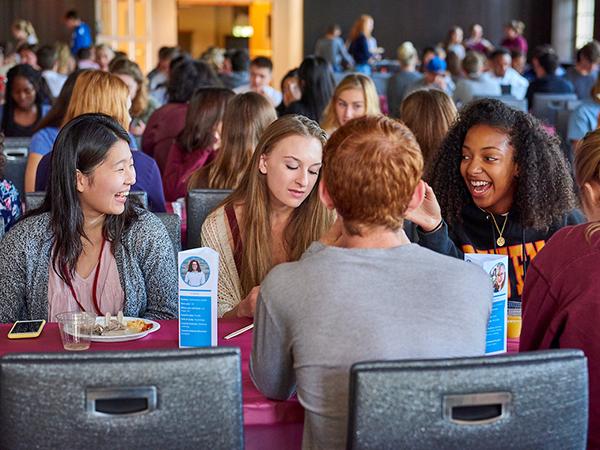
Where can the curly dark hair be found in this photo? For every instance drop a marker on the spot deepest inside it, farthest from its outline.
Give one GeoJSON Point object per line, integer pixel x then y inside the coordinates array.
{"type": "Point", "coordinates": [544, 191]}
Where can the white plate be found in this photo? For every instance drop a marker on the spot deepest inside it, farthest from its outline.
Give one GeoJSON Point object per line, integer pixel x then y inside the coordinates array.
{"type": "Point", "coordinates": [125, 337]}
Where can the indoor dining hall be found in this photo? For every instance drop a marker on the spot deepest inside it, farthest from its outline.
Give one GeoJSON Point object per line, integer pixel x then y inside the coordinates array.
{"type": "Point", "coordinates": [297, 224]}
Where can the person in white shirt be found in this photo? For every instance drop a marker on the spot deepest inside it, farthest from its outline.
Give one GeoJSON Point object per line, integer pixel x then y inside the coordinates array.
{"type": "Point", "coordinates": [511, 81]}
{"type": "Point", "coordinates": [261, 74]}
{"type": "Point", "coordinates": [474, 84]}
{"type": "Point", "coordinates": [195, 276]}
{"type": "Point", "coordinates": [47, 60]}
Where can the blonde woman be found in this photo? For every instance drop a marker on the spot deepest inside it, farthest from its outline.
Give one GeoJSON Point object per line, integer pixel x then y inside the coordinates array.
{"type": "Point", "coordinates": [246, 117]}
{"type": "Point", "coordinates": [401, 82]}
{"type": "Point", "coordinates": [561, 306]}
{"type": "Point", "coordinates": [103, 55]}
{"type": "Point", "coordinates": [24, 33]}
{"type": "Point", "coordinates": [354, 97]}
{"type": "Point", "coordinates": [142, 105]}
{"type": "Point", "coordinates": [274, 214]}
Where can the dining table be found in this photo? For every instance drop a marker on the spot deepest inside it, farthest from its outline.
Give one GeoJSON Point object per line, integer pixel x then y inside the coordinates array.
{"type": "Point", "coordinates": [268, 424]}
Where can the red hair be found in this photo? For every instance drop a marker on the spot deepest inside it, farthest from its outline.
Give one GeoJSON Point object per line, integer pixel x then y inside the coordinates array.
{"type": "Point", "coordinates": [371, 167]}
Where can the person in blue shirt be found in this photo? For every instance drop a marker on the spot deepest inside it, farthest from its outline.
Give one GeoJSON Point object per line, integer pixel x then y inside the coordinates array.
{"type": "Point", "coordinates": [585, 117]}
{"type": "Point", "coordinates": [81, 36]}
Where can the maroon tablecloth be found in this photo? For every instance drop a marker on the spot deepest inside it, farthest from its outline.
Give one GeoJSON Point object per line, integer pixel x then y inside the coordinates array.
{"type": "Point", "coordinates": [268, 424]}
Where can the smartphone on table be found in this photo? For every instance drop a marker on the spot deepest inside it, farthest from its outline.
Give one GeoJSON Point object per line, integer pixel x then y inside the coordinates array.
{"type": "Point", "coordinates": [26, 329]}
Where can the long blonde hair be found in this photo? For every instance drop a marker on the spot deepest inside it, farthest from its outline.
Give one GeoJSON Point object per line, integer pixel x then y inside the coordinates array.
{"type": "Point", "coordinates": [27, 27]}
{"type": "Point", "coordinates": [587, 168]}
{"type": "Point", "coordinates": [99, 92]}
{"type": "Point", "coordinates": [307, 223]}
{"type": "Point", "coordinates": [357, 81]}
{"type": "Point", "coordinates": [246, 117]}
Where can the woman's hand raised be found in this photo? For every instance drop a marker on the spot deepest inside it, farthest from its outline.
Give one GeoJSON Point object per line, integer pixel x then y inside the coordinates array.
{"type": "Point", "coordinates": [428, 215]}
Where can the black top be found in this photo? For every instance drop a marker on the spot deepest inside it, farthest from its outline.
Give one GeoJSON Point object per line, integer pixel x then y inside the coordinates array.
{"type": "Point", "coordinates": [478, 234]}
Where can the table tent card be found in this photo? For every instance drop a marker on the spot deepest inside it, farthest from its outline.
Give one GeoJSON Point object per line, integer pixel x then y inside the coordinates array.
{"type": "Point", "coordinates": [198, 273]}
{"type": "Point", "coordinates": [496, 266]}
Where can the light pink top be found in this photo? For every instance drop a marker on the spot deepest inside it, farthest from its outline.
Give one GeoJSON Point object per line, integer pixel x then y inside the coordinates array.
{"type": "Point", "coordinates": [108, 291]}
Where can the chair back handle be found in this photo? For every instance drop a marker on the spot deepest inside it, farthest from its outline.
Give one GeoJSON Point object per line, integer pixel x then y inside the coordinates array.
{"type": "Point", "coordinates": [476, 409]}
{"type": "Point", "coordinates": [120, 401]}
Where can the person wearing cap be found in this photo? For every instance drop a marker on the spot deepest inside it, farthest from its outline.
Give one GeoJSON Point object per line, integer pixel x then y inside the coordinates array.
{"type": "Point", "coordinates": [402, 81]}
{"type": "Point", "coordinates": [435, 76]}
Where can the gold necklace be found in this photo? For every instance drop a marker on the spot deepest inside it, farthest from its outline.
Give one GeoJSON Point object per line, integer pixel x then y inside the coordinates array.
{"type": "Point", "coordinates": [500, 241]}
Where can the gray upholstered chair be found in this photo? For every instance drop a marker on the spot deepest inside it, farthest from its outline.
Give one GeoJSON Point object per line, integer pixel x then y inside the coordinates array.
{"type": "Point", "coordinates": [199, 203]}
{"type": "Point", "coordinates": [175, 399]}
{"type": "Point", "coordinates": [16, 146]}
{"type": "Point", "coordinates": [546, 106]}
{"type": "Point", "coordinates": [172, 223]}
{"type": "Point", "coordinates": [15, 170]}
{"type": "Point", "coordinates": [523, 401]}
{"type": "Point", "coordinates": [34, 199]}
{"type": "Point", "coordinates": [141, 196]}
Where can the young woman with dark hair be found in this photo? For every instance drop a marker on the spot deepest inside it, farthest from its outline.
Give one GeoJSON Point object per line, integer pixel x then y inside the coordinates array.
{"type": "Point", "coordinates": [88, 246]}
{"type": "Point", "coordinates": [47, 130]}
{"type": "Point", "coordinates": [27, 101]}
{"type": "Point", "coordinates": [197, 144]}
{"type": "Point", "coordinates": [503, 187]}
{"type": "Point", "coordinates": [10, 201]}
{"type": "Point", "coordinates": [317, 85]}
{"type": "Point", "coordinates": [167, 122]}
{"type": "Point", "coordinates": [290, 89]}
{"type": "Point", "coordinates": [246, 117]}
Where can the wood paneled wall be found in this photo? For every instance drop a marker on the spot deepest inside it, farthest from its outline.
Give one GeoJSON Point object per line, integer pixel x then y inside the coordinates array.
{"type": "Point", "coordinates": [46, 16]}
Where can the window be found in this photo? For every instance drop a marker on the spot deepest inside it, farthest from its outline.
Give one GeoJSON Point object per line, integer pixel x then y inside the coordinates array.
{"type": "Point", "coordinates": [584, 28]}
{"type": "Point", "coordinates": [124, 25]}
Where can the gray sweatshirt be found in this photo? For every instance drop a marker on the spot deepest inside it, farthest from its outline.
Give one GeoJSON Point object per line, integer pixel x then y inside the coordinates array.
{"type": "Point", "coordinates": [336, 306]}
{"type": "Point", "coordinates": [145, 261]}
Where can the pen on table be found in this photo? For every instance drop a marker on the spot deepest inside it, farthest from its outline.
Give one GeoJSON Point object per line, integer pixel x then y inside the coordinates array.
{"type": "Point", "coordinates": [238, 332]}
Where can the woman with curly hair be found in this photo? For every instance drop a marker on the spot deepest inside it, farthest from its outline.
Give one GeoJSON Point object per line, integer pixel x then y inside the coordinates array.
{"type": "Point", "coordinates": [503, 187]}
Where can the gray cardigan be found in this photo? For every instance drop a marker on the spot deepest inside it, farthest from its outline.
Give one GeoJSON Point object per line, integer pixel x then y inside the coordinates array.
{"type": "Point", "coordinates": [145, 261]}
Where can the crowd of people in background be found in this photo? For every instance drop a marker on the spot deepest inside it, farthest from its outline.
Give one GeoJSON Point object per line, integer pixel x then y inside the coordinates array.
{"type": "Point", "coordinates": [321, 164]}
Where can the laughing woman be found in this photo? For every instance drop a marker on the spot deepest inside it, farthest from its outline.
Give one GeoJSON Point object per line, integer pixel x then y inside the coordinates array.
{"type": "Point", "coordinates": [88, 247]}
{"type": "Point", "coordinates": [503, 187]}
{"type": "Point", "coordinates": [274, 214]}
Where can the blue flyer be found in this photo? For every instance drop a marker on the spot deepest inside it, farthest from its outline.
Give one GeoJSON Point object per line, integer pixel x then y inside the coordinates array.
{"type": "Point", "coordinates": [198, 271]}
{"type": "Point", "coordinates": [496, 266]}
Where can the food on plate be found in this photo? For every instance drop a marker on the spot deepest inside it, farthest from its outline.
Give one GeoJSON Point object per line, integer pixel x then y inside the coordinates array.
{"type": "Point", "coordinates": [138, 325]}
{"type": "Point", "coordinates": [118, 326]}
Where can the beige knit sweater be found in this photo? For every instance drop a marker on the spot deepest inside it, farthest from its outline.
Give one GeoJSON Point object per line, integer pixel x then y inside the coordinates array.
{"type": "Point", "coordinates": [216, 234]}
